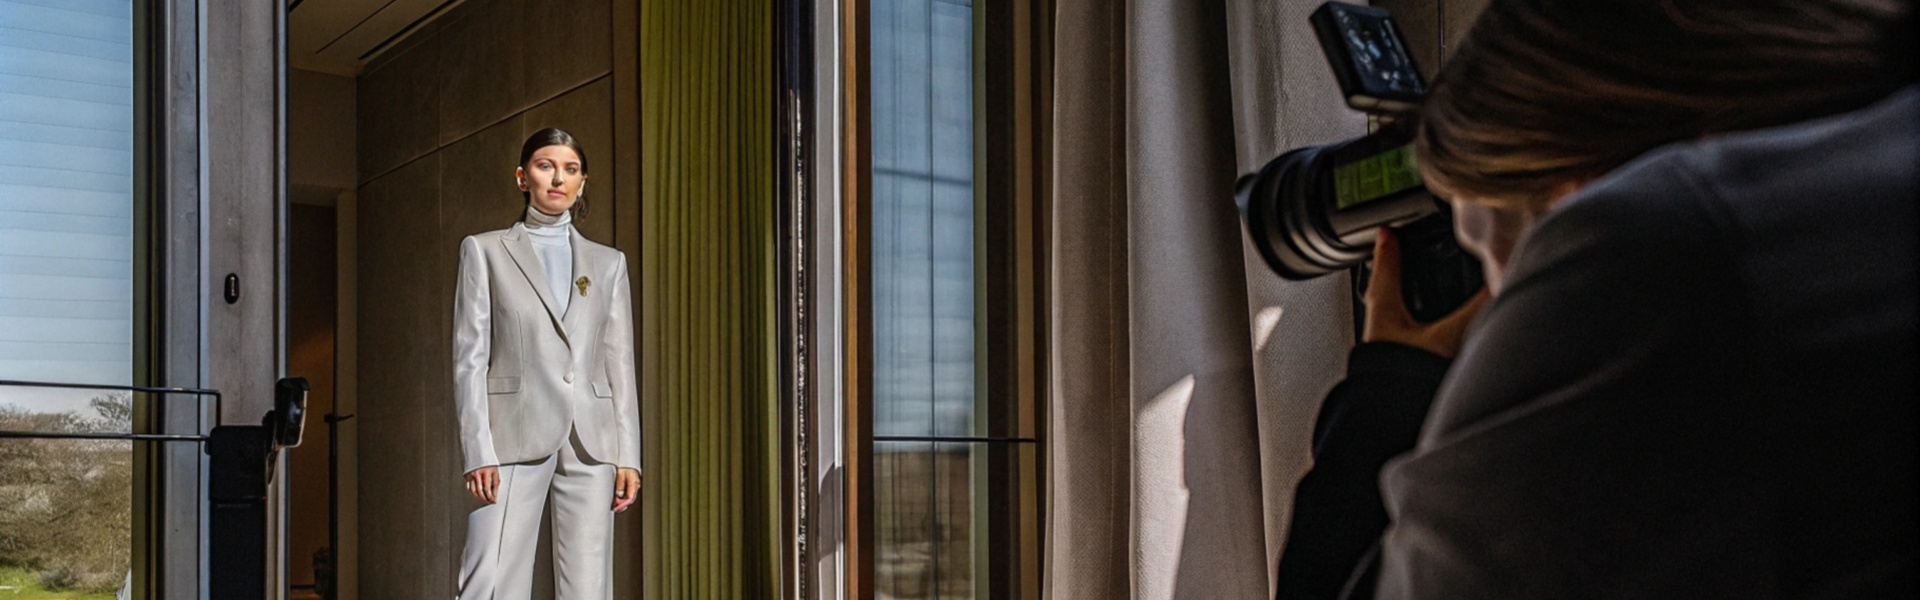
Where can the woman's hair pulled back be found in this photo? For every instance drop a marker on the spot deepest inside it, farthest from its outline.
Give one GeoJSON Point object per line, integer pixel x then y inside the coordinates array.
{"type": "Point", "coordinates": [551, 136]}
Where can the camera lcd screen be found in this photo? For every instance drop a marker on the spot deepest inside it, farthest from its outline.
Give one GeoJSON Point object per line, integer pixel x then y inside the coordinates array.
{"type": "Point", "coordinates": [1377, 52]}
{"type": "Point", "coordinates": [1375, 176]}
{"type": "Point", "coordinates": [1369, 57]}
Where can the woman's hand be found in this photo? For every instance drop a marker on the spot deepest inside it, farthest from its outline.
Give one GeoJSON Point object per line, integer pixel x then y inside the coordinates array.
{"type": "Point", "coordinates": [483, 483]}
{"type": "Point", "coordinates": [1387, 316]}
{"type": "Point", "coordinates": [626, 488]}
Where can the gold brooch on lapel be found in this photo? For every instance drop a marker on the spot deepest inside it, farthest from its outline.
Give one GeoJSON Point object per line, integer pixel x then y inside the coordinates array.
{"type": "Point", "coordinates": [582, 283]}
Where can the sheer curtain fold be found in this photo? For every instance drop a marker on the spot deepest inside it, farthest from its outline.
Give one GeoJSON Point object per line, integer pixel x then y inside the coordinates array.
{"type": "Point", "coordinates": [1089, 421]}
{"type": "Point", "coordinates": [1285, 97]}
{"type": "Point", "coordinates": [1155, 456]}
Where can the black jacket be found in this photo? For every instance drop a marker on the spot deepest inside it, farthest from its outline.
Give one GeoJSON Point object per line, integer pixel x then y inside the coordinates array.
{"type": "Point", "coordinates": [1697, 382]}
{"type": "Point", "coordinates": [1371, 416]}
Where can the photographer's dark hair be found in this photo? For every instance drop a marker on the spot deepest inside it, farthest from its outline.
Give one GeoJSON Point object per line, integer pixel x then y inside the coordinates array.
{"type": "Point", "coordinates": [1541, 93]}
{"type": "Point", "coordinates": [554, 136]}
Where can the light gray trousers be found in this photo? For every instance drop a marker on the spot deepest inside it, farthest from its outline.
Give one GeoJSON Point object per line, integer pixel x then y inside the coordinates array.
{"type": "Point", "coordinates": [497, 563]}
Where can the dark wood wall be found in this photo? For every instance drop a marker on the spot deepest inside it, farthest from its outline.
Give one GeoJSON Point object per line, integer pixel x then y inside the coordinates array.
{"type": "Point", "coordinates": [440, 122]}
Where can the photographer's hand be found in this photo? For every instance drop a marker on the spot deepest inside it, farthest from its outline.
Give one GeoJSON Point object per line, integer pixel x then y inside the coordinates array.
{"type": "Point", "coordinates": [1387, 316]}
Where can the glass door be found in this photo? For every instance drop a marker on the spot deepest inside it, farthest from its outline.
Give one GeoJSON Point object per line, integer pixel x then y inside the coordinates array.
{"type": "Point", "coordinates": [121, 198]}
{"type": "Point", "coordinates": [70, 300]}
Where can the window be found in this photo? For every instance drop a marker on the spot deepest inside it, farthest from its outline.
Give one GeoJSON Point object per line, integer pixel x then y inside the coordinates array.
{"type": "Point", "coordinates": [951, 492]}
{"type": "Point", "coordinates": [923, 298]}
{"type": "Point", "coordinates": [67, 290]}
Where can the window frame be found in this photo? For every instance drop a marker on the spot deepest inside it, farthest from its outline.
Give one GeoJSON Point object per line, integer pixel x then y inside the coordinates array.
{"type": "Point", "coordinates": [168, 179]}
{"type": "Point", "coordinates": [1012, 100]}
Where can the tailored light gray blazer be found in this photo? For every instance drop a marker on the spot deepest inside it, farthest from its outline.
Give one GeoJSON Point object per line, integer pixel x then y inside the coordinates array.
{"type": "Point", "coordinates": [523, 376]}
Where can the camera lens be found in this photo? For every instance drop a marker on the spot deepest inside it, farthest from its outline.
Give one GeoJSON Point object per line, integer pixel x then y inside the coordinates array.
{"type": "Point", "coordinates": [1280, 214]}
{"type": "Point", "coordinates": [1313, 210]}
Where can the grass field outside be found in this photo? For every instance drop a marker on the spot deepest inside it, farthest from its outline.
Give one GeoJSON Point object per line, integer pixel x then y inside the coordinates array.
{"type": "Point", "coordinates": [65, 504]}
{"type": "Point", "coordinates": [23, 584]}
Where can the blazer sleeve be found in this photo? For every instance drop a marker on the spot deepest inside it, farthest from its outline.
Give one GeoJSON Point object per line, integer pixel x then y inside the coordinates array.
{"type": "Point", "coordinates": [1589, 440]}
{"type": "Point", "coordinates": [618, 350]}
{"type": "Point", "coordinates": [1371, 416]}
{"type": "Point", "coordinates": [472, 352]}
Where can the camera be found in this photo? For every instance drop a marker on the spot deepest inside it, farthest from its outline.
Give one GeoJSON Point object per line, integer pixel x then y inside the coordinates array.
{"type": "Point", "coordinates": [1315, 210]}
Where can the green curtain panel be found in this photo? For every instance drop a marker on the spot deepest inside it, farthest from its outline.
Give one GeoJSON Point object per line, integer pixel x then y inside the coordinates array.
{"type": "Point", "coordinates": [708, 298]}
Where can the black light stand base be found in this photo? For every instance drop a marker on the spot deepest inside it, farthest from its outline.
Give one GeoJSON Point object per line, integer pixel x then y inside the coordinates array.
{"type": "Point", "coordinates": [242, 458]}
{"type": "Point", "coordinates": [237, 567]}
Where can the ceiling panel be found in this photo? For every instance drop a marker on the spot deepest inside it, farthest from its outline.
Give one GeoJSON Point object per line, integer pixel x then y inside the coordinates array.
{"type": "Point", "coordinates": [342, 36]}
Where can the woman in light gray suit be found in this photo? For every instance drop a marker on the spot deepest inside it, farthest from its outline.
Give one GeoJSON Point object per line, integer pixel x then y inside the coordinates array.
{"type": "Point", "coordinates": [544, 387]}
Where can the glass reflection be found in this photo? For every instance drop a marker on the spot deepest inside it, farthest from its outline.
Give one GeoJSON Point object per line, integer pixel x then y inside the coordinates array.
{"type": "Point", "coordinates": [951, 510]}
{"type": "Point", "coordinates": [66, 294]}
{"type": "Point", "coordinates": [923, 520]}
{"type": "Point", "coordinates": [923, 206]}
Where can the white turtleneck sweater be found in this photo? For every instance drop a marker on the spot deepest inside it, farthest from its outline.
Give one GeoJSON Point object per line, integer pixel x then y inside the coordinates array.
{"type": "Point", "coordinates": [552, 238]}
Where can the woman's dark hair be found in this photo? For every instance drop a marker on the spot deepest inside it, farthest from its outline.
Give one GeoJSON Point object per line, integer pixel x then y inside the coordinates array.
{"type": "Point", "coordinates": [553, 136]}
{"type": "Point", "coordinates": [1542, 93]}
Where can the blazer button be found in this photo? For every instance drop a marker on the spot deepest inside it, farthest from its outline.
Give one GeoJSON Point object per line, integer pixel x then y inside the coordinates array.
{"type": "Point", "coordinates": [569, 377]}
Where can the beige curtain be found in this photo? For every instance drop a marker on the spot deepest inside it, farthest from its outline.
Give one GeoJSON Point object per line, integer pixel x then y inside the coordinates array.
{"type": "Point", "coordinates": [1089, 414]}
{"type": "Point", "coordinates": [1284, 98]}
{"type": "Point", "coordinates": [1154, 456]}
{"type": "Point", "coordinates": [1186, 376]}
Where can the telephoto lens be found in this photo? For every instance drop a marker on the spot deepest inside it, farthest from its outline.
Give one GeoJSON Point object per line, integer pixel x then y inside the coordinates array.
{"type": "Point", "coordinates": [1313, 210]}
{"type": "Point", "coordinates": [1316, 210]}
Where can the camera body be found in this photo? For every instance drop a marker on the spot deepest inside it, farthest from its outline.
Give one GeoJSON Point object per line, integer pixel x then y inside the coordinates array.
{"type": "Point", "coordinates": [1315, 210]}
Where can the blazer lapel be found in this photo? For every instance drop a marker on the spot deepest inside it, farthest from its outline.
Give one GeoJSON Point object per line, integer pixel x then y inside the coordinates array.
{"type": "Point", "coordinates": [581, 269]}
{"type": "Point", "coordinates": [521, 250]}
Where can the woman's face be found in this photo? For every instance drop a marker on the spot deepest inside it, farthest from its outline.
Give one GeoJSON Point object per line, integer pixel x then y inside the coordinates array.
{"type": "Point", "coordinates": [1491, 232]}
{"type": "Point", "coordinates": [552, 179]}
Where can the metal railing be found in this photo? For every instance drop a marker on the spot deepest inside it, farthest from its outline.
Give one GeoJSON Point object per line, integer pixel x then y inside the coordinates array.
{"type": "Point", "coordinates": [138, 437]}
{"type": "Point", "coordinates": [241, 458]}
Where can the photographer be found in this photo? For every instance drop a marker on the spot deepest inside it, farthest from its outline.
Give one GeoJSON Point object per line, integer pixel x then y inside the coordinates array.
{"type": "Point", "coordinates": [1370, 417]}
{"type": "Point", "coordinates": [1697, 376]}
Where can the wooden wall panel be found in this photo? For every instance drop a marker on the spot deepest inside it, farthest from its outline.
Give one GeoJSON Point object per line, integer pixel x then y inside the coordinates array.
{"type": "Point", "coordinates": [397, 109]}
{"type": "Point", "coordinates": [440, 122]}
{"type": "Point", "coordinates": [398, 376]}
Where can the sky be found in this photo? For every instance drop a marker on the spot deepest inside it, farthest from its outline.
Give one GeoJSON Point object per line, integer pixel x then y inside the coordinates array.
{"type": "Point", "coordinates": [51, 400]}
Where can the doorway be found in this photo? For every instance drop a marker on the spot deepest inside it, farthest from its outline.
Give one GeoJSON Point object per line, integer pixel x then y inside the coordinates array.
{"type": "Point", "coordinates": [404, 120]}
{"type": "Point", "coordinates": [115, 163]}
